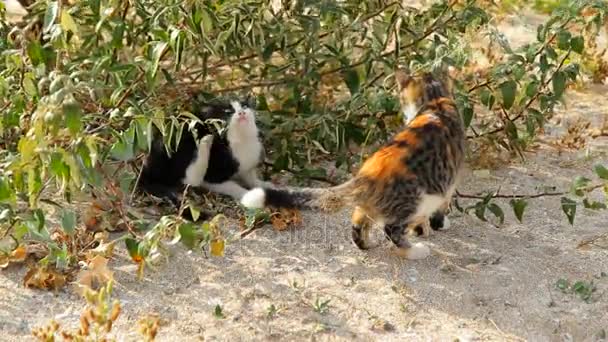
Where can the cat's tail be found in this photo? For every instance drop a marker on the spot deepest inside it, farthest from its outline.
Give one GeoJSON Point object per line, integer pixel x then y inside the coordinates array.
{"type": "Point", "coordinates": [327, 199]}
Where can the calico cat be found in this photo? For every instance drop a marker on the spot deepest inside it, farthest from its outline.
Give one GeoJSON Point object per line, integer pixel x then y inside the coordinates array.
{"type": "Point", "coordinates": [224, 163]}
{"type": "Point", "coordinates": [405, 183]}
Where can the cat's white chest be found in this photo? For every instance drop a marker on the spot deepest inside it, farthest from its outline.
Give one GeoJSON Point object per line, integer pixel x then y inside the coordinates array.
{"type": "Point", "coordinates": [409, 113]}
{"type": "Point", "coordinates": [247, 153]}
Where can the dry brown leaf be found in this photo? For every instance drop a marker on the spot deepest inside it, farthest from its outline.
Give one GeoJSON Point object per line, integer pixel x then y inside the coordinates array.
{"type": "Point", "coordinates": [96, 274]}
{"type": "Point", "coordinates": [278, 222]}
{"type": "Point", "coordinates": [105, 249]}
{"type": "Point", "coordinates": [44, 278]}
{"type": "Point", "coordinates": [19, 254]}
{"type": "Point", "coordinates": [285, 218]}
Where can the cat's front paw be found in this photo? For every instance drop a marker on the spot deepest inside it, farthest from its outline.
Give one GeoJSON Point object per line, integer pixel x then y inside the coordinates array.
{"type": "Point", "coordinates": [416, 252]}
{"type": "Point", "coordinates": [207, 140]}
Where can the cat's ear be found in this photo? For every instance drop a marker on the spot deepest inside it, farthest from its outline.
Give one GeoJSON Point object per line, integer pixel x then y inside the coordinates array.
{"type": "Point", "coordinates": [249, 101]}
{"type": "Point", "coordinates": [402, 77]}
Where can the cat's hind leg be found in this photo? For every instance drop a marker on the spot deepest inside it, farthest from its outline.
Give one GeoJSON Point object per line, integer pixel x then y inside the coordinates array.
{"type": "Point", "coordinates": [251, 180]}
{"type": "Point", "coordinates": [230, 188]}
{"type": "Point", "coordinates": [361, 225]}
{"type": "Point", "coordinates": [406, 249]}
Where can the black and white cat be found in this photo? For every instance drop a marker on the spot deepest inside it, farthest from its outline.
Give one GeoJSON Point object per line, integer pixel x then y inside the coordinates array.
{"type": "Point", "coordinates": [224, 164]}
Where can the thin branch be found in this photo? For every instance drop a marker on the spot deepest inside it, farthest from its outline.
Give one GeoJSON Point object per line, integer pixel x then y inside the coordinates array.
{"type": "Point", "coordinates": [255, 85]}
{"type": "Point", "coordinates": [316, 178]}
{"type": "Point", "coordinates": [515, 196]}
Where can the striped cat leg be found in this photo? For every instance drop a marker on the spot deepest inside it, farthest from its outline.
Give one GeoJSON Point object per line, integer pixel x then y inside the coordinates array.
{"type": "Point", "coordinates": [361, 225]}
{"type": "Point", "coordinates": [405, 248]}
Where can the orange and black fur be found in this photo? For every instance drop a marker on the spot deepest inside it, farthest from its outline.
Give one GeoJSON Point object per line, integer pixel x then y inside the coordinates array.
{"type": "Point", "coordinates": [403, 185]}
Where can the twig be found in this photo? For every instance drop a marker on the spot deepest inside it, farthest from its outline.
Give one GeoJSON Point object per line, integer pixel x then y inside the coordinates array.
{"type": "Point", "coordinates": [245, 233]}
{"type": "Point", "coordinates": [591, 241]}
{"type": "Point", "coordinates": [541, 194]}
{"type": "Point", "coordinates": [316, 178]}
{"type": "Point", "coordinates": [480, 85]}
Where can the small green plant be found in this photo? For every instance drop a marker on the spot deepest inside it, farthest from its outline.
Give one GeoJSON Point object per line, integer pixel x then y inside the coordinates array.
{"type": "Point", "coordinates": [271, 311]}
{"type": "Point", "coordinates": [218, 312]}
{"type": "Point", "coordinates": [321, 306]}
{"type": "Point", "coordinates": [583, 289]}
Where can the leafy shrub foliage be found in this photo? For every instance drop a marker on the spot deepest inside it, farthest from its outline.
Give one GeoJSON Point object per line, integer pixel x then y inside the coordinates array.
{"type": "Point", "coordinates": [82, 82]}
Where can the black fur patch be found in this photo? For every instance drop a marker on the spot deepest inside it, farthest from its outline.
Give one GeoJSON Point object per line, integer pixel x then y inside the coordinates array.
{"type": "Point", "coordinates": [284, 198]}
{"type": "Point", "coordinates": [436, 220]}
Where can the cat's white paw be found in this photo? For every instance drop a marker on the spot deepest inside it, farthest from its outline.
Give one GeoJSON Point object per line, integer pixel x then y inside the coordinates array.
{"type": "Point", "coordinates": [418, 251]}
{"type": "Point", "coordinates": [446, 223]}
{"type": "Point", "coordinates": [254, 198]}
{"type": "Point", "coordinates": [207, 140]}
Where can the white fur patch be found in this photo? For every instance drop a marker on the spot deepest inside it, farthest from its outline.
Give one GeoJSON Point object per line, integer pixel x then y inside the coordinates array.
{"type": "Point", "coordinates": [230, 188]}
{"type": "Point", "coordinates": [409, 112]}
{"type": "Point", "coordinates": [418, 251]}
{"type": "Point", "coordinates": [243, 138]}
{"type": "Point", "coordinates": [446, 223]}
{"type": "Point", "coordinates": [195, 173]}
{"type": "Point", "coordinates": [428, 205]}
{"type": "Point", "coordinates": [255, 198]}
{"type": "Point", "coordinates": [14, 11]}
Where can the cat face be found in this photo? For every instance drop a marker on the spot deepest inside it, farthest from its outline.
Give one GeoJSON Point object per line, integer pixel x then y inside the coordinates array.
{"type": "Point", "coordinates": [241, 115]}
{"type": "Point", "coordinates": [416, 90]}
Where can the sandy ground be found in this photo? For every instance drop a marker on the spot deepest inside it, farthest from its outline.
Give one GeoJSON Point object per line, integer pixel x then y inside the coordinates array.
{"type": "Point", "coordinates": [481, 282]}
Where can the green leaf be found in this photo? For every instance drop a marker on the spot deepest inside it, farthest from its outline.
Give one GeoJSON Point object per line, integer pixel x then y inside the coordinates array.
{"type": "Point", "coordinates": [67, 22]}
{"type": "Point", "coordinates": [133, 249]}
{"type": "Point", "coordinates": [562, 284]}
{"type": "Point", "coordinates": [519, 206]}
{"type": "Point", "coordinates": [157, 53]}
{"type": "Point", "coordinates": [577, 44]}
{"type": "Point", "coordinates": [569, 208]}
{"type": "Point", "coordinates": [508, 90]}
{"type": "Point", "coordinates": [50, 15]}
{"type": "Point", "coordinates": [487, 98]}
{"type": "Point", "coordinates": [480, 211]}
{"type": "Point", "coordinates": [601, 171]}
{"type": "Point", "coordinates": [73, 117]}
{"type": "Point", "coordinates": [187, 233]}
{"type": "Point", "coordinates": [467, 115]}
{"type": "Point", "coordinates": [532, 88]}
{"type": "Point", "coordinates": [6, 193]}
{"type": "Point", "coordinates": [351, 78]}
{"type": "Point", "coordinates": [559, 83]}
{"type": "Point", "coordinates": [196, 214]}
{"type": "Point", "coordinates": [497, 211]}
{"type": "Point", "coordinates": [563, 39]}
{"type": "Point", "coordinates": [35, 52]}
{"type": "Point", "coordinates": [68, 221]}
{"type": "Point", "coordinates": [579, 185]}
{"type": "Point", "coordinates": [595, 205]}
